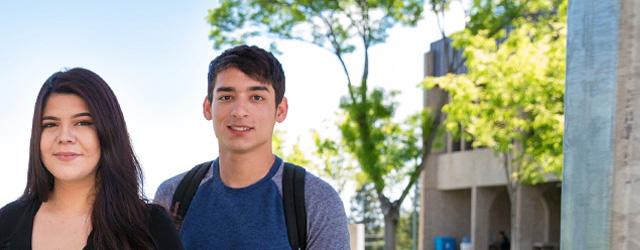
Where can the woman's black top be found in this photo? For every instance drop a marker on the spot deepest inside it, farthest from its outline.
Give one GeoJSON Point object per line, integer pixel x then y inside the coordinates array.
{"type": "Point", "coordinates": [16, 226]}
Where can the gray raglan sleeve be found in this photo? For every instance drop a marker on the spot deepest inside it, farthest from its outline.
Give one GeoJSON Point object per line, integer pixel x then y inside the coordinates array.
{"type": "Point", "coordinates": [326, 218]}
{"type": "Point", "coordinates": [164, 193]}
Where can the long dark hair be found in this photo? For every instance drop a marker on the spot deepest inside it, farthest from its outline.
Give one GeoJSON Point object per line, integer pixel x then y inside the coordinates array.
{"type": "Point", "coordinates": [119, 215]}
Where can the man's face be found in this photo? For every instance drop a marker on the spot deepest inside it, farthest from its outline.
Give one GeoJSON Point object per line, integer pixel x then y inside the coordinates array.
{"type": "Point", "coordinates": [243, 112]}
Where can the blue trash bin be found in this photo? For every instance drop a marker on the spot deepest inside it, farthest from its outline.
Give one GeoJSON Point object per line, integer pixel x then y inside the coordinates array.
{"type": "Point", "coordinates": [444, 243]}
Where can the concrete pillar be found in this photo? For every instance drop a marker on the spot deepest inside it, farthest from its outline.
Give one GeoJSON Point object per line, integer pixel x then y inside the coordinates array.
{"type": "Point", "coordinates": [481, 199]}
{"type": "Point", "coordinates": [422, 221]}
{"type": "Point", "coordinates": [600, 195]}
{"type": "Point", "coordinates": [356, 236]}
{"type": "Point", "coordinates": [527, 218]}
{"type": "Point", "coordinates": [625, 217]}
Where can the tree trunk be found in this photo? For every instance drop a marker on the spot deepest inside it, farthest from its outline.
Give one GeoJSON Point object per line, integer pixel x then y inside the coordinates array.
{"type": "Point", "coordinates": [391, 218]}
{"type": "Point", "coordinates": [515, 230]}
{"type": "Point", "coordinates": [512, 191]}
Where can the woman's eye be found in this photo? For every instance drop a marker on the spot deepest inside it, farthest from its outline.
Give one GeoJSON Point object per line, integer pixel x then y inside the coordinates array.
{"type": "Point", "coordinates": [84, 123]}
{"type": "Point", "coordinates": [48, 125]}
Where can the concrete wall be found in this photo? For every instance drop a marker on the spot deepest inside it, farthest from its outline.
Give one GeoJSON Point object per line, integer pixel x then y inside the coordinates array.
{"type": "Point", "coordinates": [551, 193]}
{"type": "Point", "coordinates": [499, 214]}
{"type": "Point", "coordinates": [463, 193]}
{"type": "Point", "coordinates": [466, 169]}
{"type": "Point", "coordinates": [531, 218]}
{"type": "Point", "coordinates": [537, 215]}
{"type": "Point", "coordinates": [442, 212]}
{"type": "Point", "coordinates": [447, 213]}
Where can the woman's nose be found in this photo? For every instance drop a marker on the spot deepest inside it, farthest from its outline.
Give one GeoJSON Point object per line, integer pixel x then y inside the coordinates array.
{"type": "Point", "coordinates": [66, 134]}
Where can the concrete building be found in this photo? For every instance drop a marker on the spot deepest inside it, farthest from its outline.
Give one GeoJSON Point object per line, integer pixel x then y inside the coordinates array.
{"type": "Point", "coordinates": [464, 190]}
{"type": "Point", "coordinates": [601, 201]}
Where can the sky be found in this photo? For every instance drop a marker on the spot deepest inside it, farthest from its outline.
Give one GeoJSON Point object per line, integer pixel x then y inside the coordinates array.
{"type": "Point", "coordinates": [154, 55]}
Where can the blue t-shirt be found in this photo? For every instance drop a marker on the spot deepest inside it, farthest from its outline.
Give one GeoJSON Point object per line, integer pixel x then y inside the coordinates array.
{"type": "Point", "coordinates": [221, 217]}
{"type": "Point", "coordinates": [236, 218]}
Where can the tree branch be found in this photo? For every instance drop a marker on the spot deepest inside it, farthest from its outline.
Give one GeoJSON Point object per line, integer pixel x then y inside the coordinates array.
{"type": "Point", "coordinates": [426, 148]}
{"type": "Point", "coordinates": [338, 52]}
{"type": "Point", "coordinates": [366, 39]}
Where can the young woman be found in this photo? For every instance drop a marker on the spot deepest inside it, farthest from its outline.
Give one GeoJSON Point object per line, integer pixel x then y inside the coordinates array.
{"type": "Point", "coordinates": [84, 182]}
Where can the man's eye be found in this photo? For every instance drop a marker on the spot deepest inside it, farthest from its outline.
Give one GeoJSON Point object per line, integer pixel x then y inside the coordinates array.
{"type": "Point", "coordinates": [257, 98]}
{"type": "Point", "coordinates": [224, 98]}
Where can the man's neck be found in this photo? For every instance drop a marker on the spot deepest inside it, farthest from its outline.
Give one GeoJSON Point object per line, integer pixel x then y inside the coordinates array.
{"type": "Point", "coordinates": [242, 170]}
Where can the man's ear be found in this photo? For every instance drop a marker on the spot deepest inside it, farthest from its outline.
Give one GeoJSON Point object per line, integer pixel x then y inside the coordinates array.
{"type": "Point", "coordinates": [281, 110]}
{"type": "Point", "coordinates": [206, 109]}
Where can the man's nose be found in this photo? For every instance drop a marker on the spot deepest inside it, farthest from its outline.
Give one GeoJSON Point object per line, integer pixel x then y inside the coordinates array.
{"type": "Point", "coordinates": [239, 109]}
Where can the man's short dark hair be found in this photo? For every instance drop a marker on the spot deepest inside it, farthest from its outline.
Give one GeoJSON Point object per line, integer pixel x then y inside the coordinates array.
{"type": "Point", "coordinates": [254, 62]}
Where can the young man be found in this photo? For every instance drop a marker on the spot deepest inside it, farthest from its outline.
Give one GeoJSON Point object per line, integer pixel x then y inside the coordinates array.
{"type": "Point", "coordinates": [239, 203]}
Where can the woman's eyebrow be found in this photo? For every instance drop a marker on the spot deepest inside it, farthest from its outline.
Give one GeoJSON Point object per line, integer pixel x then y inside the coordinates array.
{"type": "Point", "coordinates": [82, 114]}
{"type": "Point", "coordinates": [49, 117]}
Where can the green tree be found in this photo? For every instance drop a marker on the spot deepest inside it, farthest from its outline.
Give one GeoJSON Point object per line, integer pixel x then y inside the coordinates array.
{"type": "Point", "coordinates": [335, 166]}
{"type": "Point", "coordinates": [326, 161]}
{"type": "Point", "coordinates": [386, 151]}
{"type": "Point", "coordinates": [295, 155]}
{"type": "Point", "coordinates": [365, 209]}
{"type": "Point", "coordinates": [405, 238]}
{"type": "Point", "coordinates": [511, 98]}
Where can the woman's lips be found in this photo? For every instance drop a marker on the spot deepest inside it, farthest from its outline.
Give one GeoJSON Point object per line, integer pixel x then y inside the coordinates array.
{"type": "Point", "coordinates": [66, 156]}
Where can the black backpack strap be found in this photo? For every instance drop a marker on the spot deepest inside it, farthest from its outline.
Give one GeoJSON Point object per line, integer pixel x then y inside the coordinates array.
{"type": "Point", "coordinates": [185, 191]}
{"type": "Point", "coordinates": [294, 206]}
